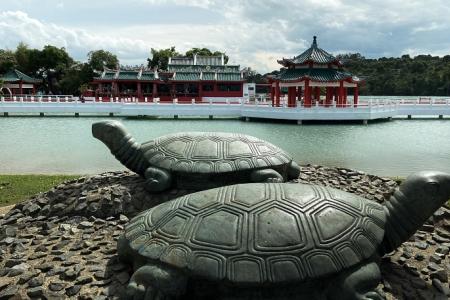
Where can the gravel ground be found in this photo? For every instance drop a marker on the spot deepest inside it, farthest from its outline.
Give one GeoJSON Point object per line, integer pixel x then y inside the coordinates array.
{"type": "Point", "coordinates": [62, 244]}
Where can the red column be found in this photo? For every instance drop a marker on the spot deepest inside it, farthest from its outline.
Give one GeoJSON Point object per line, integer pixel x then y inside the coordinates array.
{"type": "Point", "coordinates": [355, 96]}
{"type": "Point", "coordinates": [341, 94]}
{"type": "Point", "coordinates": [139, 91]}
{"type": "Point", "coordinates": [20, 88]}
{"type": "Point", "coordinates": [291, 99]}
{"type": "Point", "coordinates": [200, 91]}
{"type": "Point", "coordinates": [272, 95]}
{"type": "Point", "coordinates": [345, 97]}
{"type": "Point", "coordinates": [277, 94]}
{"type": "Point", "coordinates": [155, 90]}
{"type": "Point", "coordinates": [307, 99]}
{"type": "Point", "coordinates": [34, 89]}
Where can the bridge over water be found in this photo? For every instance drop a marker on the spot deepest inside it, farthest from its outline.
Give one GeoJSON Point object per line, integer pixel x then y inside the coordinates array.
{"type": "Point", "coordinates": [366, 110]}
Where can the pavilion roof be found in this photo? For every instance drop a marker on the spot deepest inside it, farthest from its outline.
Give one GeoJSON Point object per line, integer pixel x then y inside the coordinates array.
{"type": "Point", "coordinates": [315, 74]}
{"type": "Point", "coordinates": [15, 76]}
{"type": "Point", "coordinates": [206, 76]}
{"type": "Point", "coordinates": [313, 54]}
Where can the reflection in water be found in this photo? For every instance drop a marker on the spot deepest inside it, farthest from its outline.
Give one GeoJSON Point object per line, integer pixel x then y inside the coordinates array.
{"type": "Point", "coordinates": [65, 144]}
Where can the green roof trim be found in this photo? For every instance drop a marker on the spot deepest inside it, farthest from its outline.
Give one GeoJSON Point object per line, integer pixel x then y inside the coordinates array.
{"type": "Point", "coordinates": [323, 75]}
{"type": "Point", "coordinates": [15, 75]}
{"type": "Point", "coordinates": [229, 77]}
{"type": "Point", "coordinates": [128, 75]}
{"type": "Point", "coordinates": [209, 76]}
{"type": "Point", "coordinates": [147, 76]}
{"type": "Point", "coordinates": [203, 68]}
{"type": "Point", "coordinates": [186, 76]}
{"type": "Point", "coordinates": [313, 54]}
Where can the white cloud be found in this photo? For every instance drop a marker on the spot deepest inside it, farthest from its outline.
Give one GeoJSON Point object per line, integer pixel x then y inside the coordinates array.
{"type": "Point", "coordinates": [252, 33]}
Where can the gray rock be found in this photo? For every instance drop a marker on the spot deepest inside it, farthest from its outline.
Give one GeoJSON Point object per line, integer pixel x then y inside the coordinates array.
{"type": "Point", "coordinates": [73, 290]}
{"type": "Point", "coordinates": [35, 292]}
{"type": "Point", "coordinates": [85, 225]}
{"type": "Point", "coordinates": [56, 286]}
{"type": "Point", "coordinates": [9, 292]}
{"type": "Point", "coordinates": [441, 287]}
{"type": "Point", "coordinates": [36, 281]}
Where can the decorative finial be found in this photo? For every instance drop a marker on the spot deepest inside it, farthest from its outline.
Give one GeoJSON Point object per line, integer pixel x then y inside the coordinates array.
{"type": "Point", "coordinates": [314, 44]}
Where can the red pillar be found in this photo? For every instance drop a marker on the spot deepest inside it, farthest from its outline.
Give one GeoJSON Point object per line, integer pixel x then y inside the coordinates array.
{"type": "Point", "coordinates": [139, 91]}
{"type": "Point", "coordinates": [20, 88]}
{"type": "Point", "coordinates": [291, 99]}
{"type": "Point", "coordinates": [307, 100]}
{"type": "Point", "coordinates": [155, 90]}
{"type": "Point", "coordinates": [277, 94]}
{"type": "Point", "coordinates": [34, 89]}
{"type": "Point", "coordinates": [272, 95]}
{"type": "Point", "coordinates": [341, 94]}
{"type": "Point", "coordinates": [200, 91]}
{"type": "Point", "coordinates": [355, 96]}
{"type": "Point", "coordinates": [345, 97]}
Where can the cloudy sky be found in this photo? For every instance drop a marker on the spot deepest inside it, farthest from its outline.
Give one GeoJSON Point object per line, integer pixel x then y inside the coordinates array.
{"type": "Point", "coordinates": [253, 33]}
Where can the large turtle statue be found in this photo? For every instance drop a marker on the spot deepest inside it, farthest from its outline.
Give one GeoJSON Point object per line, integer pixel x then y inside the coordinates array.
{"type": "Point", "coordinates": [274, 238]}
{"type": "Point", "coordinates": [197, 159]}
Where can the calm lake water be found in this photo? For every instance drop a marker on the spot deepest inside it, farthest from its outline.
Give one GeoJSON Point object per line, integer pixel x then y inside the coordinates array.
{"type": "Point", "coordinates": [65, 144]}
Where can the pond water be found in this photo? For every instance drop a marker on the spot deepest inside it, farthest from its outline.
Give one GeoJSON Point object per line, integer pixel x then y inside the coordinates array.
{"type": "Point", "coordinates": [65, 144]}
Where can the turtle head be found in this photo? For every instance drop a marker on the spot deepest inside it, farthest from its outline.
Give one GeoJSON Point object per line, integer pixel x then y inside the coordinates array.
{"type": "Point", "coordinates": [417, 198]}
{"type": "Point", "coordinates": [111, 133]}
{"type": "Point", "coordinates": [425, 192]}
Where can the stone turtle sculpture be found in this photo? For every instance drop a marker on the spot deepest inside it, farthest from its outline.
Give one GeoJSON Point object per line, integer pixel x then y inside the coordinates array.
{"type": "Point", "coordinates": [270, 236]}
{"type": "Point", "coordinates": [197, 159]}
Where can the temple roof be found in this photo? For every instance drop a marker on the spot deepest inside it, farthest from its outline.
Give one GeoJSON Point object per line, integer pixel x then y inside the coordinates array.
{"type": "Point", "coordinates": [314, 54]}
{"type": "Point", "coordinates": [213, 60]}
{"type": "Point", "coordinates": [15, 76]}
{"type": "Point", "coordinates": [323, 75]}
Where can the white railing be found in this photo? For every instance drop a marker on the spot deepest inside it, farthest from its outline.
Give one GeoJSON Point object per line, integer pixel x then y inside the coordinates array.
{"type": "Point", "coordinates": [366, 109]}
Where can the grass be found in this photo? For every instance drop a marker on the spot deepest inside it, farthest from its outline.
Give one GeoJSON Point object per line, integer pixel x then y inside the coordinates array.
{"type": "Point", "coordinates": [16, 188]}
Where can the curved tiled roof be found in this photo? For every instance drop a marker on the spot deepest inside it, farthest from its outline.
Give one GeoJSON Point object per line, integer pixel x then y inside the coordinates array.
{"type": "Point", "coordinates": [324, 75]}
{"type": "Point", "coordinates": [15, 75]}
{"type": "Point", "coordinates": [313, 54]}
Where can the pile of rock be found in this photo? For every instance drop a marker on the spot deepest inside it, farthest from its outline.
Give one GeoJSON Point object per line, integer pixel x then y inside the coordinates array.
{"type": "Point", "coordinates": [62, 244]}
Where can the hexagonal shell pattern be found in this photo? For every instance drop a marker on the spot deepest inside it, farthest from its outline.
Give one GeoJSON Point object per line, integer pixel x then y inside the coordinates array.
{"type": "Point", "coordinates": [260, 233]}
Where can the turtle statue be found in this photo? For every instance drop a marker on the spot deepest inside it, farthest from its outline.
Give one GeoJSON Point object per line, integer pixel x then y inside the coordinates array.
{"type": "Point", "coordinates": [197, 160]}
{"type": "Point", "coordinates": [274, 237]}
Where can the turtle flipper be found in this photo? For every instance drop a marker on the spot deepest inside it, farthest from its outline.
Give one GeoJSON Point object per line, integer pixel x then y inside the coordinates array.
{"type": "Point", "coordinates": [157, 180]}
{"type": "Point", "coordinates": [359, 283]}
{"type": "Point", "coordinates": [156, 282]}
{"type": "Point", "coordinates": [266, 175]}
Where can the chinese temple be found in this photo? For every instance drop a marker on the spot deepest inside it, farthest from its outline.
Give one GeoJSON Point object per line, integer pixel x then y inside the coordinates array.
{"type": "Point", "coordinates": [202, 78]}
{"type": "Point", "coordinates": [311, 74]}
{"type": "Point", "coordinates": [19, 83]}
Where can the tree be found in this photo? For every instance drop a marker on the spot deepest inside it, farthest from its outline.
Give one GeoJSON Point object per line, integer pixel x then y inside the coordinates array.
{"type": "Point", "coordinates": [99, 59]}
{"type": "Point", "coordinates": [206, 52]}
{"type": "Point", "coordinates": [53, 64]}
{"type": "Point", "coordinates": [7, 61]}
{"type": "Point", "coordinates": [160, 58]}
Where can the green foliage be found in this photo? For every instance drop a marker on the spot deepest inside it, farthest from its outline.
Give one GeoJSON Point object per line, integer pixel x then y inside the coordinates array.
{"type": "Point", "coordinates": [99, 59]}
{"type": "Point", "coordinates": [423, 75]}
{"type": "Point", "coordinates": [7, 61]}
{"type": "Point", "coordinates": [206, 52]}
{"type": "Point", "coordinates": [16, 188]}
{"type": "Point", "coordinates": [75, 77]}
{"type": "Point", "coordinates": [160, 58]}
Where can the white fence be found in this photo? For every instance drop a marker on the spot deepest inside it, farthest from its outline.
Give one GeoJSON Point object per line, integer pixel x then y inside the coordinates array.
{"type": "Point", "coordinates": [369, 109]}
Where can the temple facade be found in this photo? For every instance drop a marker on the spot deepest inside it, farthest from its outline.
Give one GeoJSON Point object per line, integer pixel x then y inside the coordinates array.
{"type": "Point", "coordinates": [315, 77]}
{"type": "Point", "coordinates": [17, 83]}
{"type": "Point", "coordinates": [198, 78]}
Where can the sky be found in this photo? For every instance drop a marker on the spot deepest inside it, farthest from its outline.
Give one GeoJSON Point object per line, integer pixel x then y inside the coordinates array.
{"type": "Point", "coordinates": [252, 33]}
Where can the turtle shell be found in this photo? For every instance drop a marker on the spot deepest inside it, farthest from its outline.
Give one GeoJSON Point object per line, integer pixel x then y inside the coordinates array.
{"type": "Point", "coordinates": [260, 232]}
{"type": "Point", "coordinates": [212, 152]}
